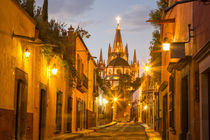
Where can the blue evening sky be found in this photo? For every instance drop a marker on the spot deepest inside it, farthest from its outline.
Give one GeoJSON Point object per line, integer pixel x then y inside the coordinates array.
{"type": "Point", "coordinates": [98, 18]}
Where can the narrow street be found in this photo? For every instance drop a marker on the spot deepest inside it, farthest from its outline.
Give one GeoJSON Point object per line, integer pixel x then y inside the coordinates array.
{"type": "Point", "coordinates": [119, 131]}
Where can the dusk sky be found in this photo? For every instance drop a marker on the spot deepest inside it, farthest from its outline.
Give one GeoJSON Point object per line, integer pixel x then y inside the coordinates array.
{"type": "Point", "coordinates": [98, 18]}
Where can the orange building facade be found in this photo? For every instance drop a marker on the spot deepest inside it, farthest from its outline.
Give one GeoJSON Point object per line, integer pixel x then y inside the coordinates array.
{"type": "Point", "coordinates": [37, 99]}
{"type": "Point", "coordinates": [183, 92]}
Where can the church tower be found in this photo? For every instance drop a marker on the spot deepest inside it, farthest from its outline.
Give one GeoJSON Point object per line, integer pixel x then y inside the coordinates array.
{"type": "Point", "coordinates": [135, 66]}
{"type": "Point", "coordinates": [118, 61]}
{"type": "Point", "coordinates": [101, 65]}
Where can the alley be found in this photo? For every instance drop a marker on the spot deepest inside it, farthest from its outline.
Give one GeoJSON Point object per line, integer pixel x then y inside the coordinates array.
{"type": "Point", "coordinates": [119, 131]}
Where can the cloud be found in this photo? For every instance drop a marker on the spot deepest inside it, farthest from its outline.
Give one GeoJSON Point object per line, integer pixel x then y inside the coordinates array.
{"type": "Point", "coordinates": [70, 11]}
{"type": "Point", "coordinates": [70, 7]}
{"type": "Point", "coordinates": [135, 18]}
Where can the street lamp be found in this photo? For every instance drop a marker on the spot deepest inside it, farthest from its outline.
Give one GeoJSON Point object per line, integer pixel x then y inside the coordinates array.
{"type": "Point", "coordinates": [27, 53]}
{"type": "Point", "coordinates": [145, 107]}
{"type": "Point", "coordinates": [146, 68]}
{"type": "Point", "coordinates": [54, 70]}
{"type": "Point", "coordinates": [166, 46]}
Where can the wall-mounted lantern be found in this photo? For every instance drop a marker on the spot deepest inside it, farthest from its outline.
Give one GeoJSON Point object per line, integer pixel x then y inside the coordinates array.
{"type": "Point", "coordinates": [145, 107]}
{"type": "Point", "coordinates": [27, 53]}
{"type": "Point", "coordinates": [166, 45]}
{"type": "Point", "coordinates": [54, 70]}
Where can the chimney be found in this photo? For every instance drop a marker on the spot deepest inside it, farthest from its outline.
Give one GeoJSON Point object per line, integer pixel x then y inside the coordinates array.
{"type": "Point", "coordinates": [70, 31]}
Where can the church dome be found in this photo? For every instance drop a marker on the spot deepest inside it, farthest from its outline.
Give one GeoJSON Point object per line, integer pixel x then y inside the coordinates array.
{"type": "Point", "coordinates": [118, 62]}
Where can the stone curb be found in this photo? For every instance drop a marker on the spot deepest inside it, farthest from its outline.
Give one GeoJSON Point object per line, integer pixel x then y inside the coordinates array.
{"type": "Point", "coordinates": [81, 133]}
{"type": "Point", "coordinates": [149, 131]}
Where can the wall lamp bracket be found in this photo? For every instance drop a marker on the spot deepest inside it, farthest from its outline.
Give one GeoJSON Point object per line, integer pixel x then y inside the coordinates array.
{"type": "Point", "coordinates": [190, 33]}
{"type": "Point", "coordinates": [22, 37]}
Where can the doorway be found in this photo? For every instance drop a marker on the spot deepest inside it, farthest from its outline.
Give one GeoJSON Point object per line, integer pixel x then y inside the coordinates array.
{"type": "Point", "coordinates": [165, 117]}
{"type": "Point", "coordinates": [209, 101]}
{"type": "Point", "coordinates": [69, 115]}
{"type": "Point", "coordinates": [78, 128]}
{"type": "Point", "coordinates": [184, 107]}
{"type": "Point", "coordinates": [20, 104]}
{"type": "Point", "coordinates": [42, 113]}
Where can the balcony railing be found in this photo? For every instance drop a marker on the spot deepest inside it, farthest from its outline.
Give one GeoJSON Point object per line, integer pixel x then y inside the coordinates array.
{"type": "Point", "coordinates": [82, 83]}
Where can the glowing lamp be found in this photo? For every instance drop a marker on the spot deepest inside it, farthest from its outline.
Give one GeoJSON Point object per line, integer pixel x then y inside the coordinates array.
{"type": "Point", "coordinates": [54, 70]}
{"type": "Point", "coordinates": [27, 53]}
{"type": "Point", "coordinates": [105, 101]}
{"type": "Point", "coordinates": [146, 68]}
{"type": "Point", "coordinates": [166, 46]}
{"type": "Point", "coordinates": [115, 99]}
{"type": "Point", "coordinates": [129, 104]}
{"type": "Point", "coordinates": [145, 107]}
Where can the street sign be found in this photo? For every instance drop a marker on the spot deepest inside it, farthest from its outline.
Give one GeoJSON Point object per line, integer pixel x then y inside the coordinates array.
{"type": "Point", "coordinates": [177, 50]}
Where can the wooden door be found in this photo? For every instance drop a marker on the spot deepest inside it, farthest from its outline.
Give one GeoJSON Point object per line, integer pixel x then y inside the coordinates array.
{"type": "Point", "coordinates": [165, 117]}
{"type": "Point", "coordinates": [42, 114]}
{"type": "Point", "coordinates": [78, 115]}
{"type": "Point", "coordinates": [209, 101]}
{"type": "Point", "coordinates": [184, 107]}
{"type": "Point", "coordinates": [69, 117]}
{"type": "Point", "coordinates": [21, 110]}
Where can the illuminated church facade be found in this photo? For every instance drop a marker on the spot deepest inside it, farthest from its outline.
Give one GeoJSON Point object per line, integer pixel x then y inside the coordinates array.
{"type": "Point", "coordinates": [118, 61]}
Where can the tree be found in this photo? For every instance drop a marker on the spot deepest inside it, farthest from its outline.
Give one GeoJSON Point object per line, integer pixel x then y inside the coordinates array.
{"type": "Point", "coordinates": [155, 44]}
{"type": "Point", "coordinates": [82, 33]}
{"type": "Point", "coordinates": [28, 5]}
{"type": "Point", "coordinates": [45, 11]}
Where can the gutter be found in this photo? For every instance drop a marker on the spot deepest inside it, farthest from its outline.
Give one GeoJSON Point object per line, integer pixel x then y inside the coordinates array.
{"type": "Point", "coordinates": [176, 3]}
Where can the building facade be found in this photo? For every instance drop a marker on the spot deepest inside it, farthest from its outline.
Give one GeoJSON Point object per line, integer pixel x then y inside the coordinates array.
{"type": "Point", "coordinates": [38, 100]}
{"type": "Point", "coordinates": [182, 97]}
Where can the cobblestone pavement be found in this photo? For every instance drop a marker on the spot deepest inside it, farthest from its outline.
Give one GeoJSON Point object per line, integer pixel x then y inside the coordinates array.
{"type": "Point", "coordinates": [120, 131]}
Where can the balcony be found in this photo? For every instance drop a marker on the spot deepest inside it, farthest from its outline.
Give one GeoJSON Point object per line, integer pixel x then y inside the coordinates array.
{"type": "Point", "coordinates": [82, 83]}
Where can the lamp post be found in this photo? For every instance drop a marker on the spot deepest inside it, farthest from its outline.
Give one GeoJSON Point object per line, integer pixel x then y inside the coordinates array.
{"type": "Point", "coordinates": [114, 107]}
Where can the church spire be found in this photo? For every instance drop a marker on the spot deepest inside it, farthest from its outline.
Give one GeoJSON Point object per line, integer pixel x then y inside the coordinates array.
{"type": "Point", "coordinates": [118, 46]}
{"type": "Point", "coordinates": [110, 50]}
{"type": "Point", "coordinates": [134, 57]}
{"type": "Point", "coordinates": [101, 57]}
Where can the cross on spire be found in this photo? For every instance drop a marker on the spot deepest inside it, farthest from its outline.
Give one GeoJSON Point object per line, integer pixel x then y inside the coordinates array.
{"type": "Point", "coordinates": [118, 18]}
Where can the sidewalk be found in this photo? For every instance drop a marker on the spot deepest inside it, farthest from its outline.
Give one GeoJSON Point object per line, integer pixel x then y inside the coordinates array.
{"type": "Point", "coordinates": [81, 133]}
{"type": "Point", "coordinates": [151, 134]}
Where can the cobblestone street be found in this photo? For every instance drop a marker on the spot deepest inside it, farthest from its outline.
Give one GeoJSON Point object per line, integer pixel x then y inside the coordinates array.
{"type": "Point", "coordinates": [120, 131]}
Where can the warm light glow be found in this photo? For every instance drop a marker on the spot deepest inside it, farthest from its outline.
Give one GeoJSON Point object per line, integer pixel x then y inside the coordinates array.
{"type": "Point", "coordinates": [105, 101]}
{"type": "Point", "coordinates": [118, 19]}
{"type": "Point", "coordinates": [129, 104]}
{"type": "Point", "coordinates": [116, 77]}
{"type": "Point", "coordinates": [146, 68]}
{"type": "Point", "coordinates": [54, 70]}
{"type": "Point", "coordinates": [115, 99]}
{"type": "Point", "coordinates": [145, 107]}
{"type": "Point", "coordinates": [166, 46]}
{"type": "Point", "coordinates": [100, 100]}
{"type": "Point", "coordinates": [27, 53]}
{"type": "Point", "coordinates": [48, 72]}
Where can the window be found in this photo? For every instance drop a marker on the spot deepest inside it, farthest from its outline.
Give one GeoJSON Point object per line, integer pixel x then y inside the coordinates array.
{"type": "Point", "coordinates": [110, 72]}
{"type": "Point", "coordinates": [78, 64]}
{"type": "Point", "coordinates": [171, 105]}
{"type": "Point", "coordinates": [118, 43]}
{"type": "Point", "coordinates": [118, 71]}
{"type": "Point", "coordinates": [58, 111]}
{"type": "Point", "coordinates": [82, 71]}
